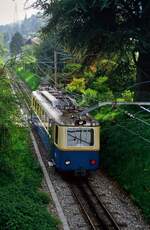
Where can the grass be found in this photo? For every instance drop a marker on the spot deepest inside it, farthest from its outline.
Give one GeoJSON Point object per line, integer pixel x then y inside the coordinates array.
{"type": "Point", "coordinates": [23, 205]}
{"type": "Point", "coordinates": [126, 153]}
{"type": "Point", "coordinates": [31, 79]}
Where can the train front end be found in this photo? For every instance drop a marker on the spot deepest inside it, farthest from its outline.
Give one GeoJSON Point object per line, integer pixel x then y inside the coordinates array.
{"type": "Point", "coordinates": [76, 148]}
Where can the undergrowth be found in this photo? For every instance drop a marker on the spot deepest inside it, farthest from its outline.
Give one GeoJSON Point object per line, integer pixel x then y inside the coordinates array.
{"type": "Point", "coordinates": [31, 79]}
{"type": "Point", "coordinates": [23, 205]}
{"type": "Point", "coordinates": [126, 152]}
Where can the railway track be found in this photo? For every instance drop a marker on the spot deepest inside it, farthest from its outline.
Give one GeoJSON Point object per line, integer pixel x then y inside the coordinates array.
{"type": "Point", "coordinates": [97, 215]}
{"type": "Point", "coordinates": [20, 89]}
{"type": "Point", "coordinates": [24, 93]}
{"type": "Point", "coordinates": [94, 211]}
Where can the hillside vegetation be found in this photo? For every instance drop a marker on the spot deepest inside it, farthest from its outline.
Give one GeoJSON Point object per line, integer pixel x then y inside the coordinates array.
{"type": "Point", "coordinates": [23, 205]}
{"type": "Point", "coordinates": [125, 152]}
{"type": "Point", "coordinates": [101, 51]}
{"type": "Point", "coordinates": [31, 79]}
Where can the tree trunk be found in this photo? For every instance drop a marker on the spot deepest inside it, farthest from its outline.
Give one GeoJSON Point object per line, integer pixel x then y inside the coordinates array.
{"type": "Point", "coordinates": [143, 77]}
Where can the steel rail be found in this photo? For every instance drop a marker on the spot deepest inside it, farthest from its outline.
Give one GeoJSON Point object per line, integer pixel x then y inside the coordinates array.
{"type": "Point", "coordinates": [21, 90]}
{"type": "Point", "coordinates": [84, 210]}
{"type": "Point", "coordinates": [39, 153]}
{"type": "Point", "coordinates": [109, 215]}
{"type": "Point", "coordinates": [95, 212]}
{"type": "Point", "coordinates": [96, 221]}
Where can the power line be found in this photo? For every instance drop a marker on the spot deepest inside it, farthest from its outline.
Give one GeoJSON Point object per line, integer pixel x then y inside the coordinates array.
{"type": "Point", "coordinates": [134, 133]}
{"type": "Point", "coordinates": [136, 118]}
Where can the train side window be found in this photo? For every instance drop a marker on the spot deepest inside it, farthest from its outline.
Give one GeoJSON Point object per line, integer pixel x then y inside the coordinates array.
{"type": "Point", "coordinates": [33, 102]}
{"type": "Point", "coordinates": [36, 106]}
{"type": "Point", "coordinates": [42, 115]}
{"type": "Point", "coordinates": [56, 134]}
{"type": "Point", "coordinates": [38, 109]}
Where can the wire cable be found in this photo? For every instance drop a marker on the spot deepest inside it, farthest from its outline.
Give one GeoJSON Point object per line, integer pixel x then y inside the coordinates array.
{"type": "Point", "coordinates": [134, 133]}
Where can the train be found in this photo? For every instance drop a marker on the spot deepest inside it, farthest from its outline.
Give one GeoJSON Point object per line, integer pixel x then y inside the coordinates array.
{"type": "Point", "coordinates": [72, 140]}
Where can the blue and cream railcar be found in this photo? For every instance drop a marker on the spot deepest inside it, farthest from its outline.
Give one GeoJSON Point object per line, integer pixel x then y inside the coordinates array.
{"type": "Point", "coordinates": [73, 141]}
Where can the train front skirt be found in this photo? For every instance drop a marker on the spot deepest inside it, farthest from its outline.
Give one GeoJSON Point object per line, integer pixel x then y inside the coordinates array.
{"type": "Point", "coordinates": [75, 160]}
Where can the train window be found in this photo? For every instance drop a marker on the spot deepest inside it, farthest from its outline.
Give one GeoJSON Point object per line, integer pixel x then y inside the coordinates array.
{"type": "Point", "coordinates": [33, 102]}
{"type": "Point", "coordinates": [46, 121]}
{"type": "Point", "coordinates": [80, 137]}
{"type": "Point", "coordinates": [42, 115]}
{"type": "Point", "coordinates": [56, 134]}
{"type": "Point", "coordinates": [38, 109]}
{"type": "Point", "coordinates": [36, 106]}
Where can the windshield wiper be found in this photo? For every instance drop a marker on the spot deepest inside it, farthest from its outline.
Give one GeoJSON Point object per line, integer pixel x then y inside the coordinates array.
{"type": "Point", "coordinates": [89, 143]}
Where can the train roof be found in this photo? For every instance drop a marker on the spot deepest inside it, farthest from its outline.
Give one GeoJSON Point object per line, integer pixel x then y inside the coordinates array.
{"type": "Point", "coordinates": [62, 109]}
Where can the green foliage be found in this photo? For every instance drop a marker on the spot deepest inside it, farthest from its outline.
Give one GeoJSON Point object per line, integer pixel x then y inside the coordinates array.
{"type": "Point", "coordinates": [28, 57]}
{"type": "Point", "coordinates": [97, 29]}
{"type": "Point", "coordinates": [3, 49]}
{"type": "Point", "coordinates": [128, 95]}
{"type": "Point", "coordinates": [101, 85]}
{"type": "Point", "coordinates": [31, 79]}
{"type": "Point", "coordinates": [90, 96]}
{"type": "Point", "coordinates": [77, 85]}
{"type": "Point", "coordinates": [44, 197]}
{"type": "Point", "coordinates": [72, 67]}
{"type": "Point", "coordinates": [18, 211]}
{"type": "Point", "coordinates": [125, 155]}
{"type": "Point", "coordinates": [92, 27]}
{"type": "Point", "coordinates": [44, 54]}
{"type": "Point", "coordinates": [106, 114]}
{"type": "Point", "coordinates": [16, 44]}
{"type": "Point", "coordinates": [93, 89]}
{"type": "Point", "coordinates": [22, 206]}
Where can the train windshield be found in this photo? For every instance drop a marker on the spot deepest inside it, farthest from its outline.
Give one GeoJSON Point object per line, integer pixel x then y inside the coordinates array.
{"type": "Point", "coordinates": [80, 137]}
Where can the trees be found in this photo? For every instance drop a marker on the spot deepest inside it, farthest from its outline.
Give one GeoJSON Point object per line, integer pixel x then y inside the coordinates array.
{"type": "Point", "coordinates": [95, 27]}
{"type": "Point", "coordinates": [51, 58]}
{"type": "Point", "coordinates": [16, 44]}
{"type": "Point", "coordinates": [3, 49]}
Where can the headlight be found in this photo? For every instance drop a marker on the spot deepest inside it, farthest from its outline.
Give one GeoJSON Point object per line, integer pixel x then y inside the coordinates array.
{"type": "Point", "coordinates": [67, 162]}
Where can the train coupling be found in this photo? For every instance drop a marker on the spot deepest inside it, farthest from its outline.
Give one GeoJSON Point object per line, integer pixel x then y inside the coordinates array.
{"type": "Point", "coordinates": [80, 172]}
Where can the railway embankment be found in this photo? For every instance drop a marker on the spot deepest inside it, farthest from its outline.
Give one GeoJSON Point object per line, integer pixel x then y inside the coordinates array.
{"type": "Point", "coordinates": [23, 205]}
{"type": "Point", "coordinates": [125, 143]}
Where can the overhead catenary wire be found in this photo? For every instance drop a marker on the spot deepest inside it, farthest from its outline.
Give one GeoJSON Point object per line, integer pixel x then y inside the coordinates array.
{"type": "Point", "coordinates": [132, 116]}
{"type": "Point", "coordinates": [42, 71]}
{"type": "Point", "coordinates": [134, 133]}
{"type": "Point", "coordinates": [145, 109]}
{"type": "Point", "coordinates": [113, 104]}
{"type": "Point", "coordinates": [137, 119]}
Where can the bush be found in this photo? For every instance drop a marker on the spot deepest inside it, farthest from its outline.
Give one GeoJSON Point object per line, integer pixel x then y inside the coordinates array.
{"type": "Point", "coordinates": [76, 86]}
{"type": "Point", "coordinates": [29, 78]}
{"type": "Point", "coordinates": [125, 156]}
{"type": "Point", "coordinates": [22, 206]}
{"type": "Point", "coordinates": [72, 67]}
